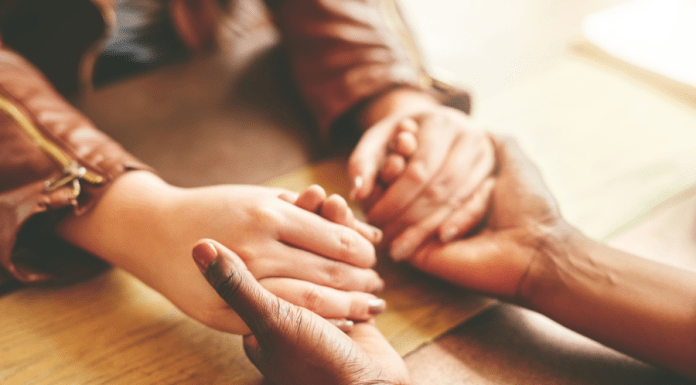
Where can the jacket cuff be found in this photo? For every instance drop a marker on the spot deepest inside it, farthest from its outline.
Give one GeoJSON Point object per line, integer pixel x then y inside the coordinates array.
{"type": "Point", "coordinates": [57, 163]}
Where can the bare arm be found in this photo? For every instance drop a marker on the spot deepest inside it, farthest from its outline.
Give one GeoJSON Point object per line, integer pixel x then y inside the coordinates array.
{"type": "Point", "coordinates": [640, 307]}
{"type": "Point", "coordinates": [528, 254]}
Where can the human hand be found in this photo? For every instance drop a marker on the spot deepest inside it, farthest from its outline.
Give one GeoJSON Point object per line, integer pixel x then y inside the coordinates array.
{"type": "Point", "coordinates": [291, 345]}
{"type": "Point", "coordinates": [443, 188]}
{"type": "Point", "coordinates": [523, 217]}
{"type": "Point", "coordinates": [148, 228]}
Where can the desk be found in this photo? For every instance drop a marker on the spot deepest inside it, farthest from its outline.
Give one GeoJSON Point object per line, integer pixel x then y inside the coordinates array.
{"type": "Point", "coordinates": [114, 330]}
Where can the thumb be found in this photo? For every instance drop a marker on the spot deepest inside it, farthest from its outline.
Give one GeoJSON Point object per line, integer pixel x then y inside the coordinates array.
{"type": "Point", "coordinates": [487, 262]}
{"type": "Point", "coordinates": [228, 275]}
{"type": "Point", "coordinates": [366, 159]}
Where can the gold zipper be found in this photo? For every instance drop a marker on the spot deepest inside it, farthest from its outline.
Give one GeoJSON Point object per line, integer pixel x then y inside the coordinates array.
{"type": "Point", "coordinates": [72, 172]}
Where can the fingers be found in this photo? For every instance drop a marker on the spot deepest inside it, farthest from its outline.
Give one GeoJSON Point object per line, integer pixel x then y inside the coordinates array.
{"type": "Point", "coordinates": [423, 219]}
{"type": "Point", "coordinates": [449, 223]}
{"type": "Point", "coordinates": [468, 215]}
{"type": "Point", "coordinates": [228, 275]}
{"type": "Point", "coordinates": [300, 264]}
{"type": "Point", "coordinates": [317, 235]}
{"type": "Point", "coordinates": [434, 141]}
{"type": "Point", "coordinates": [325, 301]}
{"type": "Point", "coordinates": [336, 210]}
{"type": "Point", "coordinates": [468, 163]}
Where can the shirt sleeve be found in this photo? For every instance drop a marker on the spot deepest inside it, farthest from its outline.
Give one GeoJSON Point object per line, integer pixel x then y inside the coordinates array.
{"type": "Point", "coordinates": [344, 52]}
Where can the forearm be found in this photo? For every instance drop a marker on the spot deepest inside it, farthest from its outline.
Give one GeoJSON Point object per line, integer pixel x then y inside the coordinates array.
{"type": "Point", "coordinates": [640, 307]}
{"type": "Point", "coordinates": [134, 227]}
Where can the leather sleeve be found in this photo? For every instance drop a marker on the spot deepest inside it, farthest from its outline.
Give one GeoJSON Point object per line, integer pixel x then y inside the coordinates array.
{"type": "Point", "coordinates": [342, 53]}
{"type": "Point", "coordinates": [53, 162]}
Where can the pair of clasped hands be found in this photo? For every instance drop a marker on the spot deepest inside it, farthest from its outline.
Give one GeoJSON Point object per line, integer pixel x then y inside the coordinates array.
{"type": "Point", "coordinates": [423, 174]}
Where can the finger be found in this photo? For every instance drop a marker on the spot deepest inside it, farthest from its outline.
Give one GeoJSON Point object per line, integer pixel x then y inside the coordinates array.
{"type": "Point", "coordinates": [228, 275]}
{"type": "Point", "coordinates": [468, 215]}
{"type": "Point", "coordinates": [325, 301]}
{"type": "Point", "coordinates": [311, 198]}
{"type": "Point", "coordinates": [336, 210]}
{"type": "Point", "coordinates": [405, 144]}
{"type": "Point", "coordinates": [408, 125]}
{"type": "Point", "coordinates": [370, 233]}
{"type": "Point", "coordinates": [423, 218]}
{"type": "Point", "coordinates": [303, 265]}
{"type": "Point", "coordinates": [366, 159]}
{"type": "Point", "coordinates": [468, 163]}
{"type": "Point", "coordinates": [394, 166]}
{"type": "Point", "coordinates": [434, 140]}
{"type": "Point", "coordinates": [318, 235]}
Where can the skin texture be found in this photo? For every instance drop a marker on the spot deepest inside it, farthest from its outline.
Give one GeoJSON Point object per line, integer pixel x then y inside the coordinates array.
{"type": "Point", "coordinates": [148, 228]}
{"type": "Point", "coordinates": [526, 253]}
{"type": "Point", "coordinates": [447, 163]}
{"type": "Point", "coordinates": [291, 345]}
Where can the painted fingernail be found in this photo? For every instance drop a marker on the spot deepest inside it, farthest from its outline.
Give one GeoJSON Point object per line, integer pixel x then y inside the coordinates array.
{"type": "Point", "coordinates": [203, 254]}
{"type": "Point", "coordinates": [399, 251]}
{"type": "Point", "coordinates": [376, 306]}
{"type": "Point", "coordinates": [378, 234]}
{"type": "Point", "coordinates": [357, 184]}
{"type": "Point", "coordinates": [344, 325]}
{"type": "Point", "coordinates": [448, 234]}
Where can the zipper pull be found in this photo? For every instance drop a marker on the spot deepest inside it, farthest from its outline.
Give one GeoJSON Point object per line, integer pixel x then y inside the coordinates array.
{"type": "Point", "coordinates": [71, 174]}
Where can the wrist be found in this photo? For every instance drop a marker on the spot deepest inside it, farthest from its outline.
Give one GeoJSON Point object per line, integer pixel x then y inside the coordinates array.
{"type": "Point", "coordinates": [553, 249]}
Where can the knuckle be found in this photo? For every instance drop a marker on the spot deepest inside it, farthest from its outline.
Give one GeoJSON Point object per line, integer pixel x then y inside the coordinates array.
{"type": "Point", "coordinates": [263, 216]}
{"type": "Point", "coordinates": [337, 275]}
{"type": "Point", "coordinates": [347, 243]}
{"type": "Point", "coordinates": [312, 299]}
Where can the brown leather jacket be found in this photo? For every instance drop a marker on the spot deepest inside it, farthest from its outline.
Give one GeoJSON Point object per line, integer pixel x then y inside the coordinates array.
{"type": "Point", "coordinates": [54, 162]}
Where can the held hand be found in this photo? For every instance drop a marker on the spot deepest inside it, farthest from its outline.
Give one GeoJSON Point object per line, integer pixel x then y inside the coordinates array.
{"type": "Point", "coordinates": [291, 345]}
{"type": "Point", "coordinates": [148, 228]}
{"type": "Point", "coordinates": [452, 159]}
{"type": "Point", "coordinates": [523, 214]}
{"type": "Point", "coordinates": [302, 257]}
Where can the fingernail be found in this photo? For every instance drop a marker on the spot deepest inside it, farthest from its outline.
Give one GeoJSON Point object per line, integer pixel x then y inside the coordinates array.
{"type": "Point", "coordinates": [344, 325]}
{"type": "Point", "coordinates": [203, 254]}
{"type": "Point", "coordinates": [357, 184]}
{"type": "Point", "coordinates": [448, 234]}
{"type": "Point", "coordinates": [399, 251]}
{"type": "Point", "coordinates": [378, 234]}
{"type": "Point", "coordinates": [376, 306]}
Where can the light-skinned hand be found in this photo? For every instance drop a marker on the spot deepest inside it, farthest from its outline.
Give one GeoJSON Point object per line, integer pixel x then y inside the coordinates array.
{"type": "Point", "coordinates": [446, 173]}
